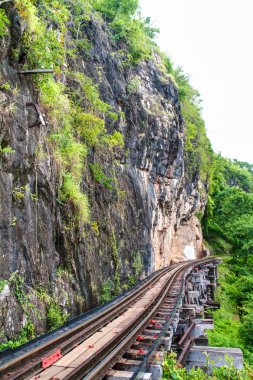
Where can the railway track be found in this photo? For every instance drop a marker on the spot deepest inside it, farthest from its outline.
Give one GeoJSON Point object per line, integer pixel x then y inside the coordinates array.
{"type": "Point", "coordinates": [93, 348]}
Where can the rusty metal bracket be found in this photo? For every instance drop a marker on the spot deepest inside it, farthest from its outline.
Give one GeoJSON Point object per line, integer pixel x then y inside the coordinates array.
{"type": "Point", "coordinates": [40, 120]}
{"type": "Point", "coordinates": [50, 360]}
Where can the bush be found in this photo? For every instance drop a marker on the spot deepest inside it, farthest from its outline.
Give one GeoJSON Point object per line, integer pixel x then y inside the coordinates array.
{"type": "Point", "coordinates": [227, 372]}
{"type": "Point", "coordinates": [71, 191]}
{"type": "Point", "coordinates": [27, 333]}
{"type": "Point", "coordinates": [89, 127]}
{"type": "Point", "coordinates": [55, 317]}
{"type": "Point", "coordinates": [134, 85]}
{"type": "Point", "coordinates": [107, 291]}
{"type": "Point", "coordinates": [100, 177]}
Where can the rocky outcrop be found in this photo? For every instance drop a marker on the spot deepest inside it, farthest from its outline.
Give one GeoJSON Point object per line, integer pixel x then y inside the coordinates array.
{"type": "Point", "coordinates": [136, 229]}
{"type": "Point", "coordinates": [187, 243]}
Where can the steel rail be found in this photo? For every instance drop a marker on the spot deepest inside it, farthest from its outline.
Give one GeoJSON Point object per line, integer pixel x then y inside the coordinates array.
{"type": "Point", "coordinates": [107, 355]}
{"type": "Point", "coordinates": [123, 341]}
{"type": "Point", "coordinates": [8, 354]}
{"type": "Point", "coordinates": [30, 362]}
{"type": "Point", "coordinates": [95, 367]}
{"type": "Point", "coordinates": [138, 373]}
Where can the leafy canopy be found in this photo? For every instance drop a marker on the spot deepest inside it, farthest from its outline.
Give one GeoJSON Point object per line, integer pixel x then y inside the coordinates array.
{"type": "Point", "coordinates": [128, 25]}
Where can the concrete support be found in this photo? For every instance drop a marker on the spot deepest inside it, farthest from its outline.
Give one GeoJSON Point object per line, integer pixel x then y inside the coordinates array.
{"type": "Point", "coordinates": [156, 368]}
{"type": "Point", "coordinates": [198, 300]}
{"type": "Point", "coordinates": [203, 357]}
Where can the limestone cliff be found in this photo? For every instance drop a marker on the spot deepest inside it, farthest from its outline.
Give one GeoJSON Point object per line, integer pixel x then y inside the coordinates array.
{"type": "Point", "coordinates": [140, 226]}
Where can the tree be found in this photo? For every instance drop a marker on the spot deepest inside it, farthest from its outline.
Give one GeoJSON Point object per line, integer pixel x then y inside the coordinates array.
{"type": "Point", "coordinates": [240, 233]}
{"type": "Point", "coordinates": [117, 8]}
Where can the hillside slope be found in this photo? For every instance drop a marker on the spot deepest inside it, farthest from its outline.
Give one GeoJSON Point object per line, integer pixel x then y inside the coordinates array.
{"type": "Point", "coordinates": [100, 192]}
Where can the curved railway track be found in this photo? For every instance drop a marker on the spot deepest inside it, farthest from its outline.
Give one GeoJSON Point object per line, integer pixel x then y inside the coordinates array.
{"type": "Point", "coordinates": [157, 299]}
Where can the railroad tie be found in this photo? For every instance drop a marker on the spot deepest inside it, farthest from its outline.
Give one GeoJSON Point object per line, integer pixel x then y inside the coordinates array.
{"type": "Point", "coordinates": [124, 364]}
{"type": "Point", "coordinates": [119, 375]}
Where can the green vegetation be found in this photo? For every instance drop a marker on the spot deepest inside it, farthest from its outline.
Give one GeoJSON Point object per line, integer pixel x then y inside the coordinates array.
{"type": "Point", "coordinates": [116, 262]}
{"type": "Point", "coordinates": [95, 227]}
{"type": "Point", "coordinates": [227, 222]}
{"type": "Point", "coordinates": [228, 228]}
{"type": "Point", "coordinates": [26, 334]}
{"type": "Point", "coordinates": [129, 26]}
{"type": "Point", "coordinates": [55, 317]}
{"type": "Point", "coordinates": [2, 284]}
{"type": "Point", "coordinates": [5, 86]}
{"type": "Point", "coordinates": [233, 322]}
{"type": "Point", "coordinates": [228, 372]}
{"type": "Point", "coordinates": [228, 219]}
{"type": "Point", "coordinates": [16, 282]}
{"type": "Point", "coordinates": [82, 147]}
{"type": "Point", "coordinates": [4, 22]}
{"type": "Point", "coordinates": [20, 192]}
{"type": "Point", "coordinates": [43, 295]}
{"type": "Point", "coordinates": [226, 319]}
{"type": "Point", "coordinates": [137, 266]}
{"type": "Point", "coordinates": [7, 150]}
{"type": "Point", "coordinates": [198, 152]}
{"type": "Point", "coordinates": [134, 85]}
{"type": "Point", "coordinates": [77, 115]}
{"type": "Point", "coordinates": [100, 177]}
{"type": "Point", "coordinates": [75, 131]}
{"type": "Point", "coordinates": [107, 291]}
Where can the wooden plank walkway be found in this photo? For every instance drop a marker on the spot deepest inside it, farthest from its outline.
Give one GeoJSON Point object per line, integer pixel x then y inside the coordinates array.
{"type": "Point", "coordinates": [90, 346]}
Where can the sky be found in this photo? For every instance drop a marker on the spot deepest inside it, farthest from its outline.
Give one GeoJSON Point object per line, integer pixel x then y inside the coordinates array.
{"type": "Point", "coordinates": [213, 41]}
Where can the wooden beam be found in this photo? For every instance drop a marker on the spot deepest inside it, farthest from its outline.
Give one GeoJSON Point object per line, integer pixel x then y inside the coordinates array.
{"type": "Point", "coordinates": [187, 335]}
{"type": "Point", "coordinates": [185, 352]}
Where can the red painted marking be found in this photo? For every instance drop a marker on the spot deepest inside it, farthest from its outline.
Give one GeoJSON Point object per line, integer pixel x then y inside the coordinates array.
{"type": "Point", "coordinates": [47, 362]}
{"type": "Point", "coordinates": [155, 336]}
{"type": "Point", "coordinates": [90, 346]}
{"type": "Point", "coordinates": [152, 322]}
{"type": "Point", "coordinates": [141, 352]}
{"type": "Point", "coordinates": [139, 338]}
{"type": "Point", "coordinates": [158, 326]}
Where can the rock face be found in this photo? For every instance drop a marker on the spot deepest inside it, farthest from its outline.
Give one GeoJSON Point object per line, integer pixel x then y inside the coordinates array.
{"type": "Point", "coordinates": [187, 241]}
{"type": "Point", "coordinates": [138, 229]}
